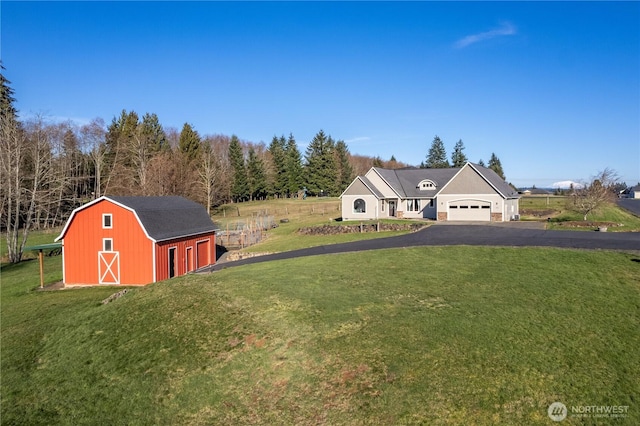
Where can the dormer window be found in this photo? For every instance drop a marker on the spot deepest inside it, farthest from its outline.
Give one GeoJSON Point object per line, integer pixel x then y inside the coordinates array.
{"type": "Point", "coordinates": [426, 185]}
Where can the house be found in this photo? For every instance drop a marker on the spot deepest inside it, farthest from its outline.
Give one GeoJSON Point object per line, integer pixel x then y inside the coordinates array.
{"type": "Point", "coordinates": [468, 193]}
{"type": "Point", "coordinates": [135, 240]}
{"type": "Point", "coordinates": [634, 191]}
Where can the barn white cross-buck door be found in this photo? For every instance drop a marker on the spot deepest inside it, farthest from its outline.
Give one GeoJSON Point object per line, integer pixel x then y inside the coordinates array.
{"type": "Point", "coordinates": [109, 267]}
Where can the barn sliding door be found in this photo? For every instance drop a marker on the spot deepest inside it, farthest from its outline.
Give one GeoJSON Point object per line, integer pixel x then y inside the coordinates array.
{"type": "Point", "coordinates": [202, 254]}
{"type": "Point", "coordinates": [109, 267]}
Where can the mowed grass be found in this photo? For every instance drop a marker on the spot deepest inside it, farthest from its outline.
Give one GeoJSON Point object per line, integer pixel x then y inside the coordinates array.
{"type": "Point", "coordinates": [556, 209]}
{"type": "Point", "coordinates": [439, 335]}
{"type": "Point", "coordinates": [299, 213]}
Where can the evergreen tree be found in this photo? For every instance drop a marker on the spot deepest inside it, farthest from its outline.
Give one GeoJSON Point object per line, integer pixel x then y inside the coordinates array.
{"type": "Point", "coordinates": [437, 157]}
{"type": "Point", "coordinates": [481, 163]}
{"type": "Point", "coordinates": [377, 162]}
{"type": "Point", "coordinates": [154, 134]}
{"type": "Point", "coordinates": [240, 185]}
{"type": "Point", "coordinates": [495, 165]}
{"type": "Point", "coordinates": [458, 159]}
{"type": "Point", "coordinates": [189, 142]}
{"type": "Point", "coordinates": [321, 168]}
{"type": "Point", "coordinates": [7, 109]}
{"type": "Point", "coordinates": [120, 136]}
{"type": "Point", "coordinates": [279, 159]}
{"type": "Point", "coordinates": [295, 179]}
{"type": "Point", "coordinates": [256, 176]}
{"type": "Point", "coordinates": [345, 171]}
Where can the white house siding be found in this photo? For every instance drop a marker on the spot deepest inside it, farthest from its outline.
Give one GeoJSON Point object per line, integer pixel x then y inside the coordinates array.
{"type": "Point", "coordinates": [380, 184]}
{"type": "Point", "coordinates": [425, 212]}
{"type": "Point", "coordinates": [511, 209]}
{"type": "Point", "coordinates": [371, 211]}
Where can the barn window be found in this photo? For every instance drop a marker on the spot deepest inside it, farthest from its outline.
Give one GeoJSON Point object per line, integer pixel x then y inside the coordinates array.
{"type": "Point", "coordinates": [107, 244]}
{"type": "Point", "coordinates": [359, 206]}
{"type": "Point", "coordinates": [106, 221]}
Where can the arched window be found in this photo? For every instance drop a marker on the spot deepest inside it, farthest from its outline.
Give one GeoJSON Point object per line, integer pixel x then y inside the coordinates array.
{"type": "Point", "coordinates": [359, 206]}
{"type": "Point", "coordinates": [426, 184]}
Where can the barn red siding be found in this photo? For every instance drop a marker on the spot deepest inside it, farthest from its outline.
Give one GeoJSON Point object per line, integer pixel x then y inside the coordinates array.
{"type": "Point", "coordinates": [84, 238]}
{"type": "Point", "coordinates": [181, 259]}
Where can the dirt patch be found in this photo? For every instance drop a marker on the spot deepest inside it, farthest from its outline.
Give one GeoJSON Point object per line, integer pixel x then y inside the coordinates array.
{"type": "Point", "coordinates": [53, 286]}
{"type": "Point", "coordinates": [539, 213]}
{"type": "Point", "coordinates": [364, 227]}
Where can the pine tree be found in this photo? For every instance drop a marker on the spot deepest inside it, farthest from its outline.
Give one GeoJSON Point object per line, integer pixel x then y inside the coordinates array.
{"type": "Point", "coordinates": [321, 168]}
{"type": "Point", "coordinates": [279, 160]}
{"type": "Point", "coordinates": [377, 162]}
{"type": "Point", "coordinates": [458, 159]}
{"type": "Point", "coordinates": [256, 176]}
{"type": "Point", "coordinates": [481, 163]}
{"type": "Point", "coordinates": [152, 131]}
{"type": "Point", "coordinates": [345, 171]}
{"type": "Point", "coordinates": [240, 185]}
{"type": "Point", "coordinates": [495, 165]}
{"type": "Point", "coordinates": [295, 179]}
{"type": "Point", "coordinates": [189, 142]}
{"type": "Point", "coordinates": [7, 109]}
{"type": "Point", "coordinates": [437, 157]}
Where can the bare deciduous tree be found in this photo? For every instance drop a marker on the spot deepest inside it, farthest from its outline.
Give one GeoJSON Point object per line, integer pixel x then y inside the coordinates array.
{"type": "Point", "coordinates": [93, 142]}
{"type": "Point", "coordinates": [595, 194]}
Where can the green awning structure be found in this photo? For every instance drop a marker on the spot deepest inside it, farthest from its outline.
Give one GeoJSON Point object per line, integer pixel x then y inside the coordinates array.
{"type": "Point", "coordinates": [40, 249]}
{"type": "Point", "coordinates": [50, 246]}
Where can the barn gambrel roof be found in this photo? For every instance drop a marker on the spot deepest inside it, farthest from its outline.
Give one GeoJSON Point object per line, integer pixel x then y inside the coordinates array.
{"type": "Point", "coordinates": [162, 218]}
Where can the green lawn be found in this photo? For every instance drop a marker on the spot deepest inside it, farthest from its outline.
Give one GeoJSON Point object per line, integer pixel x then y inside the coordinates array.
{"type": "Point", "coordinates": [555, 208]}
{"type": "Point", "coordinates": [453, 335]}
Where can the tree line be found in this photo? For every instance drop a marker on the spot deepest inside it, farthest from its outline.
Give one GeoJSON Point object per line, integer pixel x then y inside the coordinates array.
{"type": "Point", "coordinates": [437, 157]}
{"type": "Point", "coordinates": [49, 168]}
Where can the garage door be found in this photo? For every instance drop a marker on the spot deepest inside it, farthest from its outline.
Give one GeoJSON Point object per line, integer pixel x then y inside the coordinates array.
{"type": "Point", "coordinates": [472, 210]}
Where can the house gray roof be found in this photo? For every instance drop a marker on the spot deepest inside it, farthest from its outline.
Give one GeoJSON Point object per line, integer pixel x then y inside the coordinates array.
{"type": "Point", "coordinates": [499, 183]}
{"type": "Point", "coordinates": [405, 181]}
{"type": "Point", "coordinates": [165, 218]}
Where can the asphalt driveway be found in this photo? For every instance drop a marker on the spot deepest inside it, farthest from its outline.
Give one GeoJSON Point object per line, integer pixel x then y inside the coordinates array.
{"type": "Point", "coordinates": [463, 234]}
{"type": "Point", "coordinates": [631, 204]}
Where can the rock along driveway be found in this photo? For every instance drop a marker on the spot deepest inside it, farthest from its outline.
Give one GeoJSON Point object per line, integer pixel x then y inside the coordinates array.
{"type": "Point", "coordinates": [517, 234]}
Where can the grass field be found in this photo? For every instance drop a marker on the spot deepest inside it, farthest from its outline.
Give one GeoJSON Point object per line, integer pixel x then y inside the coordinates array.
{"type": "Point", "coordinates": [555, 208]}
{"type": "Point", "coordinates": [453, 335]}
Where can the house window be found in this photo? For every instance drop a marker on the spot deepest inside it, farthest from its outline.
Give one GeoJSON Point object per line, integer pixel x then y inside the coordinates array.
{"type": "Point", "coordinates": [359, 206]}
{"type": "Point", "coordinates": [431, 203]}
{"type": "Point", "coordinates": [383, 203]}
{"type": "Point", "coordinates": [426, 185]}
{"type": "Point", "coordinates": [413, 205]}
{"type": "Point", "coordinates": [107, 221]}
{"type": "Point", "coordinates": [107, 244]}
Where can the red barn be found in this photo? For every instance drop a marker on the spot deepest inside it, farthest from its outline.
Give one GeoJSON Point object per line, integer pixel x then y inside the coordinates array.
{"type": "Point", "coordinates": [135, 240]}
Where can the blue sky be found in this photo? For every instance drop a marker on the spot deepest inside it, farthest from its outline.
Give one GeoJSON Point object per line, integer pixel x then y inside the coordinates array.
{"type": "Point", "coordinates": [553, 88]}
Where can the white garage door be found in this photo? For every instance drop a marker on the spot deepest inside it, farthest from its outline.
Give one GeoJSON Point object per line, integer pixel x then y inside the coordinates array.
{"type": "Point", "coordinates": [473, 210]}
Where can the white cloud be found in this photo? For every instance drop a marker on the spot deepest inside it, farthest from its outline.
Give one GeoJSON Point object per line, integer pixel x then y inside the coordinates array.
{"type": "Point", "coordinates": [358, 139]}
{"type": "Point", "coordinates": [505, 29]}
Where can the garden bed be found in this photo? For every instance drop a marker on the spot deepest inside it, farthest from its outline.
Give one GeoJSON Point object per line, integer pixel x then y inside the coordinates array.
{"type": "Point", "coordinates": [358, 228]}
